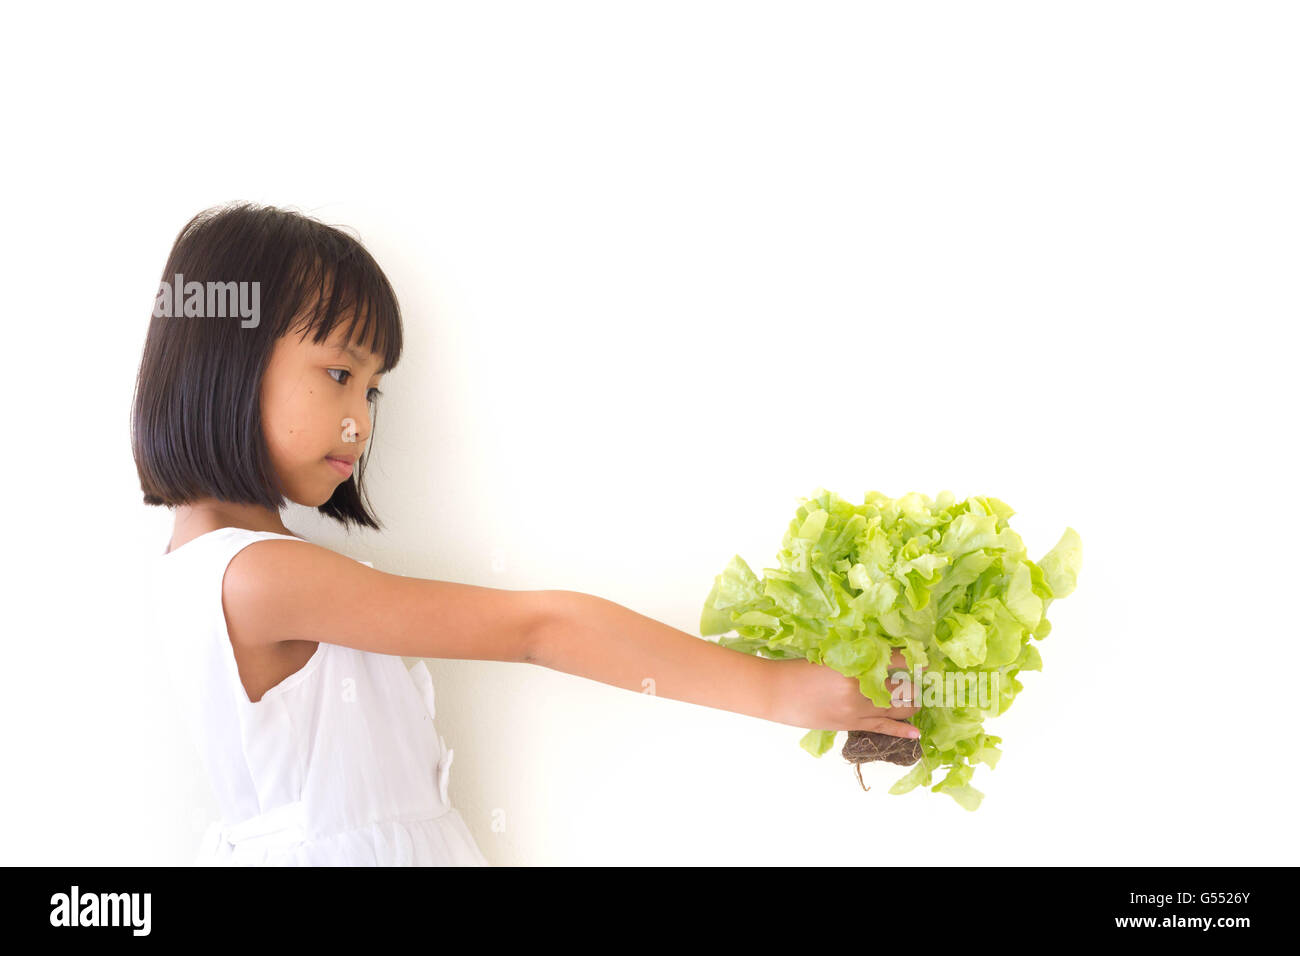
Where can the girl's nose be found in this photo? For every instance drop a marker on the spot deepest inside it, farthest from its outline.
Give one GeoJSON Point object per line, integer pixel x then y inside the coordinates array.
{"type": "Point", "coordinates": [356, 430]}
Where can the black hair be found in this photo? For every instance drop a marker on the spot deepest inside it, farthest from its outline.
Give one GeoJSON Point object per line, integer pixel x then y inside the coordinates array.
{"type": "Point", "coordinates": [196, 423]}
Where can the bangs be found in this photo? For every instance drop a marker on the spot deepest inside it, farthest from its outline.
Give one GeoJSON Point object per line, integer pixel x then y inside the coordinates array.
{"type": "Point", "coordinates": [350, 289]}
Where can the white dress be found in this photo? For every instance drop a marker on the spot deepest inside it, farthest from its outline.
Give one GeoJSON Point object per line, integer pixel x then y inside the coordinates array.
{"type": "Point", "coordinates": [339, 764]}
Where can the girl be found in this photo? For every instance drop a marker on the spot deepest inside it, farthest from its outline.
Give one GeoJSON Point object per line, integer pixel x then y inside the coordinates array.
{"type": "Point", "coordinates": [319, 743]}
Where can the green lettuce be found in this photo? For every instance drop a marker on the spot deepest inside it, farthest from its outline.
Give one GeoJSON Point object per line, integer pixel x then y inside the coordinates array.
{"type": "Point", "coordinates": [947, 583]}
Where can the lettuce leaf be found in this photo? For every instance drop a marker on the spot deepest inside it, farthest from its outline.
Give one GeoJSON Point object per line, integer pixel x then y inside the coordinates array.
{"type": "Point", "coordinates": [948, 583]}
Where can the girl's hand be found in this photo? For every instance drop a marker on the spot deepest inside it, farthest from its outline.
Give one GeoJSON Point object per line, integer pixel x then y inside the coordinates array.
{"type": "Point", "coordinates": [821, 698]}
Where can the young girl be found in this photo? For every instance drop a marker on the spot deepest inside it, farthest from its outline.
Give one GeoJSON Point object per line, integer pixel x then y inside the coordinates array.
{"type": "Point", "coordinates": [319, 743]}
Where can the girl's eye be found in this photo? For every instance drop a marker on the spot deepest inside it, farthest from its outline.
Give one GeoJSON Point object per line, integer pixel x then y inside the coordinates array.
{"type": "Point", "coordinates": [372, 396]}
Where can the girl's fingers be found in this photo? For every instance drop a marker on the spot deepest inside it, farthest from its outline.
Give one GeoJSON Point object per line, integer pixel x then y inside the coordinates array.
{"type": "Point", "coordinates": [899, 712]}
{"type": "Point", "coordinates": [884, 725]}
{"type": "Point", "coordinates": [904, 700]}
{"type": "Point", "coordinates": [902, 689]}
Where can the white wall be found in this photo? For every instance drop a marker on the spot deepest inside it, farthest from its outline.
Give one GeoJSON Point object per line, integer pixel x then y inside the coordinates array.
{"type": "Point", "coordinates": [665, 269]}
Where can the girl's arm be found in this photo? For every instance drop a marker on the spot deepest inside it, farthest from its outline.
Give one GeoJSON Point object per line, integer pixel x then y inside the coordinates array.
{"type": "Point", "coordinates": [280, 590]}
{"type": "Point", "coordinates": [283, 590]}
{"type": "Point", "coordinates": [591, 637]}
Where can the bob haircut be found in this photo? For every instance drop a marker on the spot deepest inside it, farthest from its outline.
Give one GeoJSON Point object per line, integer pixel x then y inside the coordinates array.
{"type": "Point", "coordinates": [196, 422]}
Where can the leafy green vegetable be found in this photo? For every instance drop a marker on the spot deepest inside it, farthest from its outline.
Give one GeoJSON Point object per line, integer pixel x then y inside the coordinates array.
{"type": "Point", "coordinates": [948, 583]}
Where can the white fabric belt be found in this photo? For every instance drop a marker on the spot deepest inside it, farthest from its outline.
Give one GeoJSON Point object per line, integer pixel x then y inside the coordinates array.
{"type": "Point", "coordinates": [275, 829]}
{"type": "Point", "coordinates": [279, 827]}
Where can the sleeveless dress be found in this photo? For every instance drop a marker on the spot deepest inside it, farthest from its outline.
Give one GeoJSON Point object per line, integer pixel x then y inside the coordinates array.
{"type": "Point", "coordinates": [339, 764]}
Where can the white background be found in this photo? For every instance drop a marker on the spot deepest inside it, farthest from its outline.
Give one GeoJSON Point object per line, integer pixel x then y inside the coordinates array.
{"type": "Point", "coordinates": [665, 269]}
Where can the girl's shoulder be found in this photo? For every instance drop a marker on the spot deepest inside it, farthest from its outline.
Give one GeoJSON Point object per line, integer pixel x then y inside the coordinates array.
{"type": "Point", "coordinates": [282, 588]}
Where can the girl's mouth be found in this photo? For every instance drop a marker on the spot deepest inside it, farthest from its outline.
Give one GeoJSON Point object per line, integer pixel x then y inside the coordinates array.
{"type": "Point", "coordinates": [342, 467]}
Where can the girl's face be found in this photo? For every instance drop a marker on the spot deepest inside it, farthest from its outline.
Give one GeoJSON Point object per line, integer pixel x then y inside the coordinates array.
{"type": "Point", "coordinates": [316, 405]}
